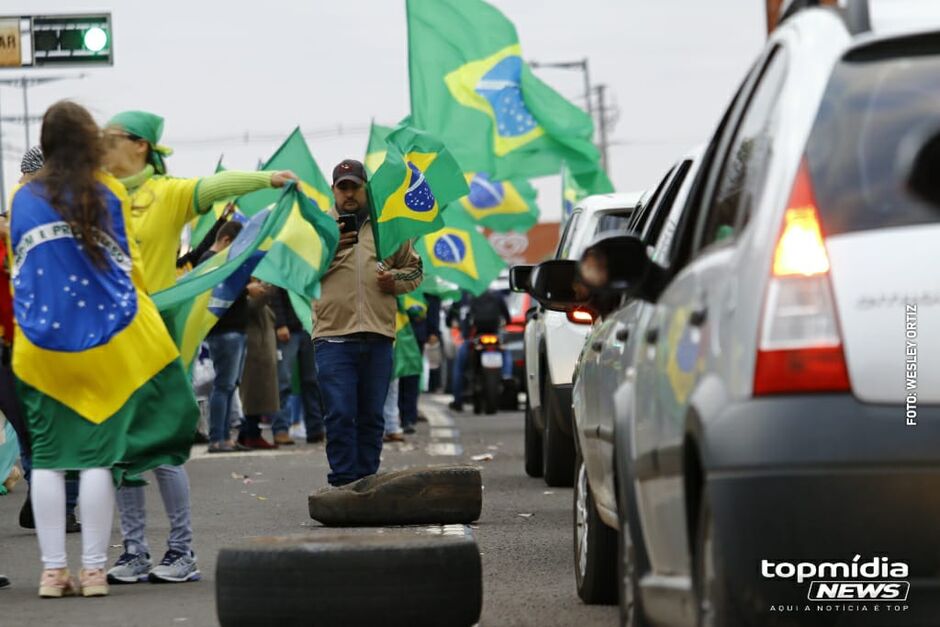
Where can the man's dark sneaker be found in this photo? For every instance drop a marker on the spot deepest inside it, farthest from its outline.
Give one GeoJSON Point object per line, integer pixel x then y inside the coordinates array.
{"type": "Point", "coordinates": [26, 514]}
{"type": "Point", "coordinates": [422, 417]}
{"type": "Point", "coordinates": [256, 443]}
{"type": "Point", "coordinates": [200, 438]}
{"type": "Point", "coordinates": [409, 430]}
{"type": "Point", "coordinates": [455, 406]}
{"type": "Point", "coordinates": [316, 438]}
{"type": "Point", "coordinates": [130, 568]}
{"type": "Point", "coordinates": [176, 567]}
{"type": "Point", "coordinates": [71, 523]}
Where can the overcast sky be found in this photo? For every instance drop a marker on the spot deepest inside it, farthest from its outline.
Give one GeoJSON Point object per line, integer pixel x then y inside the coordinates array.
{"type": "Point", "coordinates": [235, 77]}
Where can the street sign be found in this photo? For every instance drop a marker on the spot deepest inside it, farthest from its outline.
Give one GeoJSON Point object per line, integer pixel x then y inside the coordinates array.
{"type": "Point", "coordinates": [71, 40]}
{"type": "Point", "coordinates": [10, 55]}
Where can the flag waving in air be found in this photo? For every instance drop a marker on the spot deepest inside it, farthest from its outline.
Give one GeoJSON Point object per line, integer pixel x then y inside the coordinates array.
{"type": "Point", "coordinates": [498, 205]}
{"type": "Point", "coordinates": [462, 255]}
{"type": "Point", "coordinates": [289, 245]}
{"type": "Point", "coordinates": [471, 88]}
{"type": "Point", "coordinates": [294, 155]}
{"type": "Point", "coordinates": [411, 187]}
{"type": "Point", "coordinates": [375, 150]}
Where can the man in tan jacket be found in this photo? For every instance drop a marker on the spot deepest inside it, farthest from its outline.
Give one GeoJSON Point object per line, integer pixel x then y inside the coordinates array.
{"type": "Point", "coordinates": [354, 329]}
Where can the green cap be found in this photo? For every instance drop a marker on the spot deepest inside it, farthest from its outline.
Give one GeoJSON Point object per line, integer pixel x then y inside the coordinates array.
{"type": "Point", "coordinates": [148, 126]}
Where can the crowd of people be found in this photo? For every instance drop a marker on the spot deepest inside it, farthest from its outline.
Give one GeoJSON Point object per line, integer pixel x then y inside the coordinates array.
{"type": "Point", "coordinates": [97, 209]}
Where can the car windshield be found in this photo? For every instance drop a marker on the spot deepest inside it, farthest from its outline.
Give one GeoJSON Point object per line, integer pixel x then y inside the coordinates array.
{"type": "Point", "coordinates": [872, 104]}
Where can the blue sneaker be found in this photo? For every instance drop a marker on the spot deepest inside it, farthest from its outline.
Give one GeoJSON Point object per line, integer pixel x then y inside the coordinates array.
{"type": "Point", "coordinates": [130, 568]}
{"type": "Point", "coordinates": [176, 567]}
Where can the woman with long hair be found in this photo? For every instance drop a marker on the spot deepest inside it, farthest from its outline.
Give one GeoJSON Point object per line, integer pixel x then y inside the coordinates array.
{"type": "Point", "coordinates": [90, 352]}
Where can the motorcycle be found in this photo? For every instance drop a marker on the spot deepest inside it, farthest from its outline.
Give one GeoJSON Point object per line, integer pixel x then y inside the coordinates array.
{"type": "Point", "coordinates": [486, 365]}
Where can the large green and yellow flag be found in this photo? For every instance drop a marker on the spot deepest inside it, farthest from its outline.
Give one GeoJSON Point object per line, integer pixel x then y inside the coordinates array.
{"type": "Point", "coordinates": [460, 254]}
{"type": "Point", "coordinates": [289, 245]}
{"type": "Point", "coordinates": [375, 149]}
{"type": "Point", "coordinates": [497, 205]}
{"type": "Point", "coordinates": [407, 359]}
{"type": "Point", "coordinates": [294, 155]}
{"type": "Point", "coordinates": [471, 88]}
{"type": "Point", "coordinates": [418, 178]}
{"type": "Point", "coordinates": [436, 286]}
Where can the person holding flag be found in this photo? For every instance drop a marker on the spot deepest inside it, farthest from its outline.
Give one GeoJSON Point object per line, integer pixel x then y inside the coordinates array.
{"type": "Point", "coordinates": [160, 207]}
{"type": "Point", "coordinates": [91, 354]}
{"type": "Point", "coordinates": [354, 329]}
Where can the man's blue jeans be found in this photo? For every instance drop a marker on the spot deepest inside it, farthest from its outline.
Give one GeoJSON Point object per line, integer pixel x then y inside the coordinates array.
{"type": "Point", "coordinates": [354, 376]}
{"type": "Point", "coordinates": [228, 358]}
{"type": "Point", "coordinates": [299, 348]}
{"type": "Point", "coordinates": [460, 365]}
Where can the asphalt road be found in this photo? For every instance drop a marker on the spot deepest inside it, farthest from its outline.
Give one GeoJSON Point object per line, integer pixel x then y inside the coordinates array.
{"type": "Point", "coordinates": [524, 534]}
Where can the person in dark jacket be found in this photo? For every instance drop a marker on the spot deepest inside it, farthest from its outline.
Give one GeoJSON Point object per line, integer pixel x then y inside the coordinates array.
{"type": "Point", "coordinates": [486, 313]}
{"type": "Point", "coordinates": [295, 347]}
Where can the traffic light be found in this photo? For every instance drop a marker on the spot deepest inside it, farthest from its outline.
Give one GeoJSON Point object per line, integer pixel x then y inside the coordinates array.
{"type": "Point", "coordinates": [72, 39]}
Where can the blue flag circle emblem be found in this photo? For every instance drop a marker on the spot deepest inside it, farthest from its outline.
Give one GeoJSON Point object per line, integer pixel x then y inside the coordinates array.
{"type": "Point", "coordinates": [62, 301]}
{"type": "Point", "coordinates": [484, 193]}
{"type": "Point", "coordinates": [418, 196]}
{"type": "Point", "coordinates": [450, 248]}
{"type": "Point", "coordinates": [500, 87]}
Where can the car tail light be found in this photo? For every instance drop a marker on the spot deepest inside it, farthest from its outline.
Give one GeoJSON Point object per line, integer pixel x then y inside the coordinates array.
{"type": "Point", "coordinates": [800, 346]}
{"type": "Point", "coordinates": [489, 339]}
{"type": "Point", "coordinates": [580, 316]}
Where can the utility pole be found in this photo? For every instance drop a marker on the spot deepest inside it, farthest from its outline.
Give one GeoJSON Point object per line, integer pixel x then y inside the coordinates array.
{"type": "Point", "coordinates": [573, 65]}
{"type": "Point", "coordinates": [25, 83]}
{"type": "Point", "coordinates": [602, 124]}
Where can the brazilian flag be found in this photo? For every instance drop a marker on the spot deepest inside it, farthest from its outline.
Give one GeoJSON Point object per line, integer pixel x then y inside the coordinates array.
{"type": "Point", "coordinates": [411, 187]}
{"type": "Point", "coordinates": [498, 205]}
{"type": "Point", "coordinates": [471, 88]}
{"type": "Point", "coordinates": [571, 193]}
{"type": "Point", "coordinates": [375, 150]}
{"type": "Point", "coordinates": [460, 254]}
{"type": "Point", "coordinates": [289, 245]}
{"type": "Point", "coordinates": [415, 304]}
{"type": "Point", "coordinates": [436, 286]}
{"type": "Point", "coordinates": [294, 155]}
{"type": "Point", "coordinates": [407, 359]}
{"type": "Point", "coordinates": [96, 369]}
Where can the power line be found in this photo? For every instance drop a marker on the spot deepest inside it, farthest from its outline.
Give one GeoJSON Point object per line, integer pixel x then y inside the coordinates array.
{"type": "Point", "coordinates": [256, 137]}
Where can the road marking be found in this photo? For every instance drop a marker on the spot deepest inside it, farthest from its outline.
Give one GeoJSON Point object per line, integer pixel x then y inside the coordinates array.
{"type": "Point", "coordinates": [441, 429]}
{"type": "Point", "coordinates": [202, 452]}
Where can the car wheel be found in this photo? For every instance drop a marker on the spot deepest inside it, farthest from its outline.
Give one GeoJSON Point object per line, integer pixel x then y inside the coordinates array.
{"type": "Point", "coordinates": [557, 447]}
{"type": "Point", "coordinates": [631, 563]}
{"type": "Point", "coordinates": [425, 577]}
{"type": "Point", "coordinates": [595, 563]}
{"type": "Point", "coordinates": [533, 445]}
{"type": "Point", "coordinates": [714, 608]}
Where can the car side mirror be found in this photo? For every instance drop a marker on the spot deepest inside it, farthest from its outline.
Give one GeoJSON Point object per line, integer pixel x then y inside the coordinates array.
{"type": "Point", "coordinates": [519, 278]}
{"type": "Point", "coordinates": [557, 285]}
{"type": "Point", "coordinates": [920, 162]}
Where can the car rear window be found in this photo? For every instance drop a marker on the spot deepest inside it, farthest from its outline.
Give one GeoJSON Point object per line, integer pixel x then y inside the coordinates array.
{"type": "Point", "coordinates": [872, 103]}
{"type": "Point", "coordinates": [612, 222]}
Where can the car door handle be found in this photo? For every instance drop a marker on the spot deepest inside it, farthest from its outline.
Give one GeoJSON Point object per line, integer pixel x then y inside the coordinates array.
{"type": "Point", "coordinates": [698, 316]}
{"type": "Point", "coordinates": [652, 336]}
{"type": "Point", "coordinates": [622, 335]}
{"type": "Point", "coordinates": [597, 346]}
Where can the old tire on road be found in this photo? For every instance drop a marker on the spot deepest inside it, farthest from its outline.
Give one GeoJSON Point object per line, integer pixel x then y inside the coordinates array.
{"type": "Point", "coordinates": [405, 577]}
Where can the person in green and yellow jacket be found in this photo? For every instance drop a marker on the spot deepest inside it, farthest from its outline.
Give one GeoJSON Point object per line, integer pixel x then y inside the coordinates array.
{"type": "Point", "coordinates": [161, 205]}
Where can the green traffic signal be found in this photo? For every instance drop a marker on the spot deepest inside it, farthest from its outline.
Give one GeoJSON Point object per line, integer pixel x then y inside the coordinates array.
{"type": "Point", "coordinates": [95, 39]}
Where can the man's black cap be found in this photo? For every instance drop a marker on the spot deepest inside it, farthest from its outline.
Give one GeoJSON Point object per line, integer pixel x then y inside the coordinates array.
{"type": "Point", "coordinates": [349, 170]}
